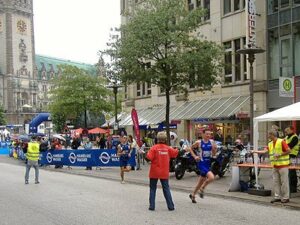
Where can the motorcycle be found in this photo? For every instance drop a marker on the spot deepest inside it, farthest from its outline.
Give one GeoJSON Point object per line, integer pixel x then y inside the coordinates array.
{"type": "Point", "coordinates": [220, 164]}
{"type": "Point", "coordinates": [185, 163]}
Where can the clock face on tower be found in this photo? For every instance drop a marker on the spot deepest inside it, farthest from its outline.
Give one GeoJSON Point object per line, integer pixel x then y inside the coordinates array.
{"type": "Point", "coordinates": [21, 26]}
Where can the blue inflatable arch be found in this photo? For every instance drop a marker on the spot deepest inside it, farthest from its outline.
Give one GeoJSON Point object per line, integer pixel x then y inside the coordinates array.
{"type": "Point", "coordinates": [41, 117]}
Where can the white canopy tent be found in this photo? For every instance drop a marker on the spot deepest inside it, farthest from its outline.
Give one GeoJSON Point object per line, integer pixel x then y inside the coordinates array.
{"type": "Point", "coordinates": [288, 113]}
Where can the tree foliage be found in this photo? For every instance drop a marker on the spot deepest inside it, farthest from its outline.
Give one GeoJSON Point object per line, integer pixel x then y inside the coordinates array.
{"type": "Point", "coordinates": [160, 45]}
{"type": "Point", "coordinates": [2, 116]}
{"type": "Point", "coordinates": [76, 92]}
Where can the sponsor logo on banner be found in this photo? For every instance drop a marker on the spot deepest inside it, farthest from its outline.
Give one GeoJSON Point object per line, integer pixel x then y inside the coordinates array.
{"type": "Point", "coordinates": [286, 87]}
{"type": "Point", "coordinates": [72, 158]}
{"type": "Point", "coordinates": [104, 157]}
{"type": "Point", "coordinates": [49, 157]}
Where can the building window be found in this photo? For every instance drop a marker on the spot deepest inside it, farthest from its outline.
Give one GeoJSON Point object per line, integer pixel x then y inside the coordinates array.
{"type": "Point", "coordinates": [138, 89]}
{"type": "Point", "coordinates": [283, 51]}
{"type": "Point", "coordinates": [227, 6]}
{"type": "Point", "coordinates": [244, 60]}
{"type": "Point", "coordinates": [272, 6]}
{"type": "Point", "coordinates": [296, 2]}
{"type": "Point", "coordinates": [143, 89]}
{"type": "Point", "coordinates": [123, 6]}
{"type": "Point", "coordinates": [296, 39]}
{"type": "Point", "coordinates": [149, 89]}
{"type": "Point", "coordinates": [44, 88]}
{"type": "Point", "coordinates": [190, 5]}
{"type": "Point", "coordinates": [237, 60]}
{"type": "Point", "coordinates": [239, 5]}
{"type": "Point", "coordinates": [284, 3]}
{"type": "Point", "coordinates": [230, 6]}
{"type": "Point", "coordinates": [205, 4]}
{"type": "Point", "coordinates": [125, 91]}
{"type": "Point", "coordinates": [34, 99]}
{"type": "Point", "coordinates": [228, 62]}
{"type": "Point", "coordinates": [235, 64]}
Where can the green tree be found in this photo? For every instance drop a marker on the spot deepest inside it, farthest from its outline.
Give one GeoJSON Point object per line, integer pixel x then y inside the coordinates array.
{"type": "Point", "coordinates": [160, 45]}
{"type": "Point", "coordinates": [75, 93]}
{"type": "Point", "coordinates": [2, 116]}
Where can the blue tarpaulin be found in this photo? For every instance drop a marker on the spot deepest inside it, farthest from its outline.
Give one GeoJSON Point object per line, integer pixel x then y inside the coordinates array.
{"type": "Point", "coordinates": [4, 148]}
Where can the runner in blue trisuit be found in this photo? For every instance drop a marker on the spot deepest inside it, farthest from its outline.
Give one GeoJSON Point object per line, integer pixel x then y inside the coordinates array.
{"type": "Point", "coordinates": [207, 148]}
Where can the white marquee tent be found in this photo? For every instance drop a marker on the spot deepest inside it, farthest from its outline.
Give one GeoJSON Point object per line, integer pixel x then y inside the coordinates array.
{"type": "Point", "coordinates": [288, 113]}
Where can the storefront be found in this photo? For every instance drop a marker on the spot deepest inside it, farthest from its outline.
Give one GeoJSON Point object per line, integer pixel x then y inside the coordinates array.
{"type": "Point", "coordinates": [229, 114]}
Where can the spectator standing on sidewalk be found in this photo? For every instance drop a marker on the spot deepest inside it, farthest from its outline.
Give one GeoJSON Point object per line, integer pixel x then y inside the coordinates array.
{"type": "Point", "coordinates": [219, 136]}
{"type": "Point", "coordinates": [280, 160]}
{"type": "Point", "coordinates": [57, 146]}
{"type": "Point", "coordinates": [133, 146]}
{"type": "Point", "coordinates": [124, 152]}
{"type": "Point", "coordinates": [75, 143]}
{"type": "Point", "coordinates": [88, 145]}
{"type": "Point", "coordinates": [160, 155]}
{"type": "Point", "coordinates": [33, 153]}
{"type": "Point", "coordinates": [207, 149]}
{"type": "Point", "coordinates": [293, 143]}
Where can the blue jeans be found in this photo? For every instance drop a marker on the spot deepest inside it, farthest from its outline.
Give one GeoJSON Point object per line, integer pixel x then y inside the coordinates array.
{"type": "Point", "coordinates": [166, 191]}
{"type": "Point", "coordinates": [35, 165]}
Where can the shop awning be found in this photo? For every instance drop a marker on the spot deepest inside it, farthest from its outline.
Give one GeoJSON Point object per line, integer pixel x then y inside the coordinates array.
{"type": "Point", "coordinates": [217, 108]}
{"type": "Point", "coordinates": [147, 116]}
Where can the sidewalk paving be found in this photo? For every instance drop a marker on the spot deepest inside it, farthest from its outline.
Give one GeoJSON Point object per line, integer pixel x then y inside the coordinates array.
{"type": "Point", "coordinates": [218, 188]}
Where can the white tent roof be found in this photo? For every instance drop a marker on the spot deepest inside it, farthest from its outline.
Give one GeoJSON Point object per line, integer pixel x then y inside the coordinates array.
{"type": "Point", "coordinates": [290, 112]}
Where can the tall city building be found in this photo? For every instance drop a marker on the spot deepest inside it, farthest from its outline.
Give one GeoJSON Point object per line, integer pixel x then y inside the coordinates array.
{"type": "Point", "coordinates": [18, 86]}
{"type": "Point", "coordinates": [227, 105]}
{"type": "Point", "coordinates": [25, 76]}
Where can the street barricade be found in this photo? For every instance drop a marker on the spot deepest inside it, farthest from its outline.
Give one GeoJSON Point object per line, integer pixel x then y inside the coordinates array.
{"type": "Point", "coordinates": [84, 158]}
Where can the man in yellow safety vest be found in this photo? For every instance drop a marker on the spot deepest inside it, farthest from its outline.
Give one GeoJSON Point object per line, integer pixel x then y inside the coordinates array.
{"type": "Point", "coordinates": [33, 153]}
{"type": "Point", "coordinates": [279, 156]}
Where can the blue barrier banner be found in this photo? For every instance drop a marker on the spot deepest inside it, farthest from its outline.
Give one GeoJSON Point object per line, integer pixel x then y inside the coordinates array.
{"type": "Point", "coordinates": [94, 157]}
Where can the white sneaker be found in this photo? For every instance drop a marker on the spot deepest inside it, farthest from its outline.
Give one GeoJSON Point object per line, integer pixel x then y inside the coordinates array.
{"type": "Point", "coordinates": [122, 182]}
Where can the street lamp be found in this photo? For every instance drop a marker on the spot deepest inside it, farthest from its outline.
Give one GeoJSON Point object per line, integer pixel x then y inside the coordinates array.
{"type": "Point", "coordinates": [115, 88]}
{"type": "Point", "coordinates": [251, 58]}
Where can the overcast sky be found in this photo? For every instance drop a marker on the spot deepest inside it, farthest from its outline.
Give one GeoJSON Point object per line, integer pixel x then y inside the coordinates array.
{"type": "Point", "coordinates": [74, 29]}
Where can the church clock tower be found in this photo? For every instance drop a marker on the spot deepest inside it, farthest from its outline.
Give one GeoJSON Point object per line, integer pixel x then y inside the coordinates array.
{"type": "Point", "coordinates": [18, 86]}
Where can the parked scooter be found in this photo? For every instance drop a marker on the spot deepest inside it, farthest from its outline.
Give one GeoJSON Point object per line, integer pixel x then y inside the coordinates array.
{"type": "Point", "coordinates": [220, 164]}
{"type": "Point", "coordinates": [185, 163]}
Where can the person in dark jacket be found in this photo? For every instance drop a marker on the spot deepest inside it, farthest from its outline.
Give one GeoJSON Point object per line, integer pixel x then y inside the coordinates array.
{"type": "Point", "coordinates": [160, 155]}
{"type": "Point", "coordinates": [75, 143]}
{"type": "Point", "coordinates": [293, 143]}
{"type": "Point", "coordinates": [44, 145]}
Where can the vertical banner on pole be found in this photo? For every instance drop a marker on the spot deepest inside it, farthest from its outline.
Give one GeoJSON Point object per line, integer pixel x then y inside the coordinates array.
{"type": "Point", "coordinates": [135, 121]}
{"type": "Point", "coordinates": [250, 10]}
{"type": "Point", "coordinates": [250, 23]}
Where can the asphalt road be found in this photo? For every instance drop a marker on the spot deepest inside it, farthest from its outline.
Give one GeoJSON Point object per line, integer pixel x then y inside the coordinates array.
{"type": "Point", "coordinates": [65, 199]}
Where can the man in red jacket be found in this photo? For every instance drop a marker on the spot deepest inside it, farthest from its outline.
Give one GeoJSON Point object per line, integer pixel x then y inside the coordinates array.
{"type": "Point", "coordinates": [160, 155]}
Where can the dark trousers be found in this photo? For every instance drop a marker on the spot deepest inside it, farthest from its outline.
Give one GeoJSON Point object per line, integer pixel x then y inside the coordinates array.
{"type": "Point", "coordinates": [293, 179]}
{"type": "Point", "coordinates": [166, 191]}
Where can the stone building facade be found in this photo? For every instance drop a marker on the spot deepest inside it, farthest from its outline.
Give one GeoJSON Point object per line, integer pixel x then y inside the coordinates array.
{"type": "Point", "coordinates": [24, 76]}
{"type": "Point", "coordinates": [226, 106]}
